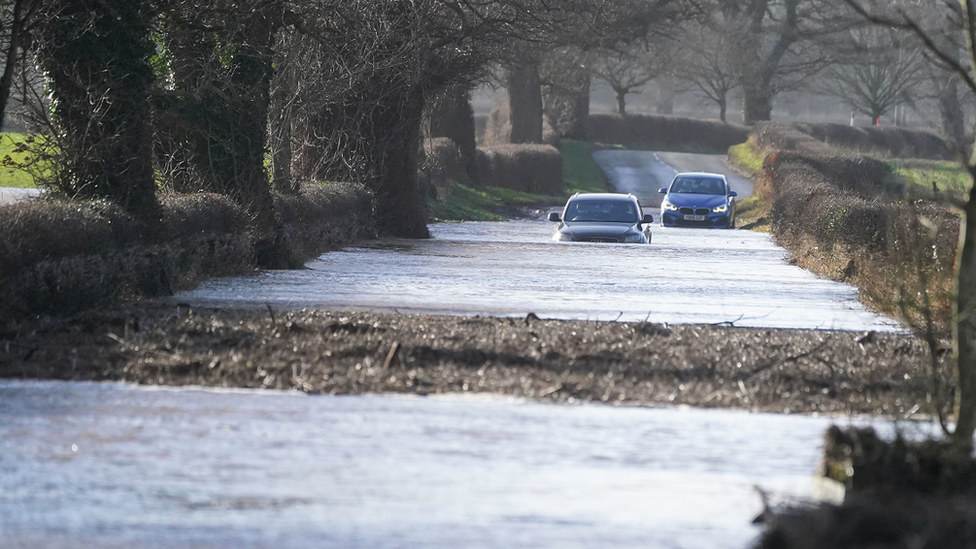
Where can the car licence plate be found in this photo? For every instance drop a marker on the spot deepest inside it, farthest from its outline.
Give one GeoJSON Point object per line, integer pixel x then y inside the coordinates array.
{"type": "Point", "coordinates": [689, 217]}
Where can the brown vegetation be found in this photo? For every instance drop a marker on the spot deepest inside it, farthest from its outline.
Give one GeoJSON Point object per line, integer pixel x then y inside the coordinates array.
{"type": "Point", "coordinates": [549, 360]}
{"type": "Point", "coordinates": [534, 169]}
{"type": "Point", "coordinates": [833, 214]}
{"type": "Point", "coordinates": [67, 256]}
{"type": "Point", "coordinates": [905, 492]}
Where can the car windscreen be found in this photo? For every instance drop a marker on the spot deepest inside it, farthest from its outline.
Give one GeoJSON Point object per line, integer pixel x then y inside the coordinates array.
{"type": "Point", "coordinates": [613, 211]}
{"type": "Point", "coordinates": [698, 185]}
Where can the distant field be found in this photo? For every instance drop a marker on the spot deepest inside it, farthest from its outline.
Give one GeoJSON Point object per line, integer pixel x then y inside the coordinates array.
{"type": "Point", "coordinates": [12, 177]}
{"type": "Point", "coordinates": [949, 177]}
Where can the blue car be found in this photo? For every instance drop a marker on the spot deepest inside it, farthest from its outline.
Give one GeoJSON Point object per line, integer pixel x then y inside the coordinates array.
{"type": "Point", "coordinates": [698, 200]}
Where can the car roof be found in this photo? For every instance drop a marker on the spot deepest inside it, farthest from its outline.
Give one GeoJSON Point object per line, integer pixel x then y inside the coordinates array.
{"type": "Point", "coordinates": [700, 174]}
{"type": "Point", "coordinates": [604, 197]}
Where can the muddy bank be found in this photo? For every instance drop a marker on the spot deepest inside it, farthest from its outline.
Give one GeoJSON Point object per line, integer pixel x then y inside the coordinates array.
{"type": "Point", "coordinates": [558, 361]}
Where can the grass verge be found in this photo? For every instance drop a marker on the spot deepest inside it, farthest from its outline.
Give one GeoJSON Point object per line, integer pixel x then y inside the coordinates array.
{"type": "Point", "coordinates": [489, 204]}
{"type": "Point", "coordinates": [580, 173]}
{"type": "Point", "coordinates": [12, 156]}
{"type": "Point", "coordinates": [747, 157]}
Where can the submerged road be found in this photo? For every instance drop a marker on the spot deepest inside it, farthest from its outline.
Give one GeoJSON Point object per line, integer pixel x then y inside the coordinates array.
{"type": "Point", "coordinates": [110, 466]}
{"type": "Point", "coordinates": [684, 276]}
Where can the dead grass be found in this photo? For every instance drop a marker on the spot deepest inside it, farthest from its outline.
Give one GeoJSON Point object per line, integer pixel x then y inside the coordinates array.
{"type": "Point", "coordinates": [547, 360]}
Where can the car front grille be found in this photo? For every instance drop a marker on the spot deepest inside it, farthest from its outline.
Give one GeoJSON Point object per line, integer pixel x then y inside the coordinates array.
{"type": "Point", "coordinates": [694, 211]}
{"type": "Point", "coordinates": [598, 239]}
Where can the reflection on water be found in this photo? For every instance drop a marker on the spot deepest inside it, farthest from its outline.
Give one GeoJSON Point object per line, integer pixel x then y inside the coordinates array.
{"type": "Point", "coordinates": [106, 465]}
{"type": "Point", "coordinates": [684, 276]}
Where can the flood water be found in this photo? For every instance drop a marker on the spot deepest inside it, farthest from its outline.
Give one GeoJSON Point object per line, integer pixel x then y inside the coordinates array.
{"type": "Point", "coordinates": [114, 466]}
{"type": "Point", "coordinates": [110, 466]}
{"type": "Point", "coordinates": [513, 268]}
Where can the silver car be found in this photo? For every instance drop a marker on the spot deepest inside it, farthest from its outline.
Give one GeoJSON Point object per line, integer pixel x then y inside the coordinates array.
{"type": "Point", "coordinates": [602, 217]}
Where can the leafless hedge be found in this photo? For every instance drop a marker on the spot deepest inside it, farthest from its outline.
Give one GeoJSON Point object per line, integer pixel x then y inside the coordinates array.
{"type": "Point", "coordinates": [666, 133]}
{"type": "Point", "coordinates": [59, 257]}
{"type": "Point", "coordinates": [443, 166]}
{"type": "Point", "coordinates": [528, 168]}
{"type": "Point", "coordinates": [889, 142]}
{"type": "Point", "coordinates": [833, 214]}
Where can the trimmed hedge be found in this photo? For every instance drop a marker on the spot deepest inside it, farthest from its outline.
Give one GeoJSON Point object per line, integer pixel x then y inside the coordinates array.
{"type": "Point", "coordinates": [891, 142]}
{"type": "Point", "coordinates": [443, 166]}
{"type": "Point", "coordinates": [67, 256]}
{"type": "Point", "coordinates": [833, 214]}
{"type": "Point", "coordinates": [665, 133]}
{"type": "Point", "coordinates": [536, 169]}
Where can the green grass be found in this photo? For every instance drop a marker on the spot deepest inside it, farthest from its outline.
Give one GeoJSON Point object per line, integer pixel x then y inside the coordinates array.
{"type": "Point", "coordinates": [467, 204]}
{"type": "Point", "coordinates": [950, 177]}
{"type": "Point", "coordinates": [580, 173]}
{"type": "Point", "coordinates": [10, 157]}
{"type": "Point", "coordinates": [746, 156]}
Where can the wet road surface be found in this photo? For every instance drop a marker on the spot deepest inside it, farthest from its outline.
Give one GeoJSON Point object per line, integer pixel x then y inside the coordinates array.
{"type": "Point", "coordinates": [684, 276]}
{"type": "Point", "coordinates": [110, 466]}
{"type": "Point", "coordinates": [642, 173]}
{"type": "Point", "coordinates": [513, 268]}
{"type": "Point", "coordinates": [9, 195]}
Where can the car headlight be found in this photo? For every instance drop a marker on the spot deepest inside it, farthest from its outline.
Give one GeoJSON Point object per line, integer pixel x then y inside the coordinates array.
{"type": "Point", "coordinates": [563, 237]}
{"type": "Point", "coordinates": [665, 205]}
{"type": "Point", "coordinates": [721, 209]}
{"type": "Point", "coordinates": [634, 238]}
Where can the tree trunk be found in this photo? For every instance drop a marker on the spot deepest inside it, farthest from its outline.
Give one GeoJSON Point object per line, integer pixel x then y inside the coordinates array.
{"type": "Point", "coordinates": [621, 102]}
{"type": "Point", "coordinates": [722, 107]}
{"type": "Point", "coordinates": [525, 103]}
{"type": "Point", "coordinates": [953, 118]}
{"type": "Point", "coordinates": [283, 87]}
{"type": "Point", "coordinates": [757, 102]}
{"type": "Point", "coordinates": [578, 129]}
{"type": "Point", "coordinates": [250, 104]}
{"type": "Point", "coordinates": [964, 327]}
{"type": "Point", "coordinates": [400, 209]}
{"type": "Point", "coordinates": [96, 56]}
{"type": "Point", "coordinates": [12, 55]}
{"type": "Point", "coordinates": [453, 117]}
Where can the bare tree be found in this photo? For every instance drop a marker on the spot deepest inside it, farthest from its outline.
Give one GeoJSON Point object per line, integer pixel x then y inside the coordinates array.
{"type": "Point", "coordinates": [625, 72]}
{"type": "Point", "coordinates": [928, 21]}
{"type": "Point", "coordinates": [369, 72]}
{"type": "Point", "coordinates": [583, 26]}
{"type": "Point", "coordinates": [774, 48]}
{"type": "Point", "coordinates": [565, 73]}
{"type": "Point", "coordinates": [16, 17]}
{"type": "Point", "coordinates": [214, 116]}
{"type": "Point", "coordinates": [707, 59]}
{"type": "Point", "coordinates": [96, 57]}
{"type": "Point", "coordinates": [877, 72]}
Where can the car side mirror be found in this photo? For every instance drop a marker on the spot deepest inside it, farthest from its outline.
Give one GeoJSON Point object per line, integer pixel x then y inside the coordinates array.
{"type": "Point", "coordinates": [648, 218]}
{"type": "Point", "coordinates": [553, 216]}
{"type": "Point", "coordinates": [733, 193]}
{"type": "Point", "coordinates": [663, 190]}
